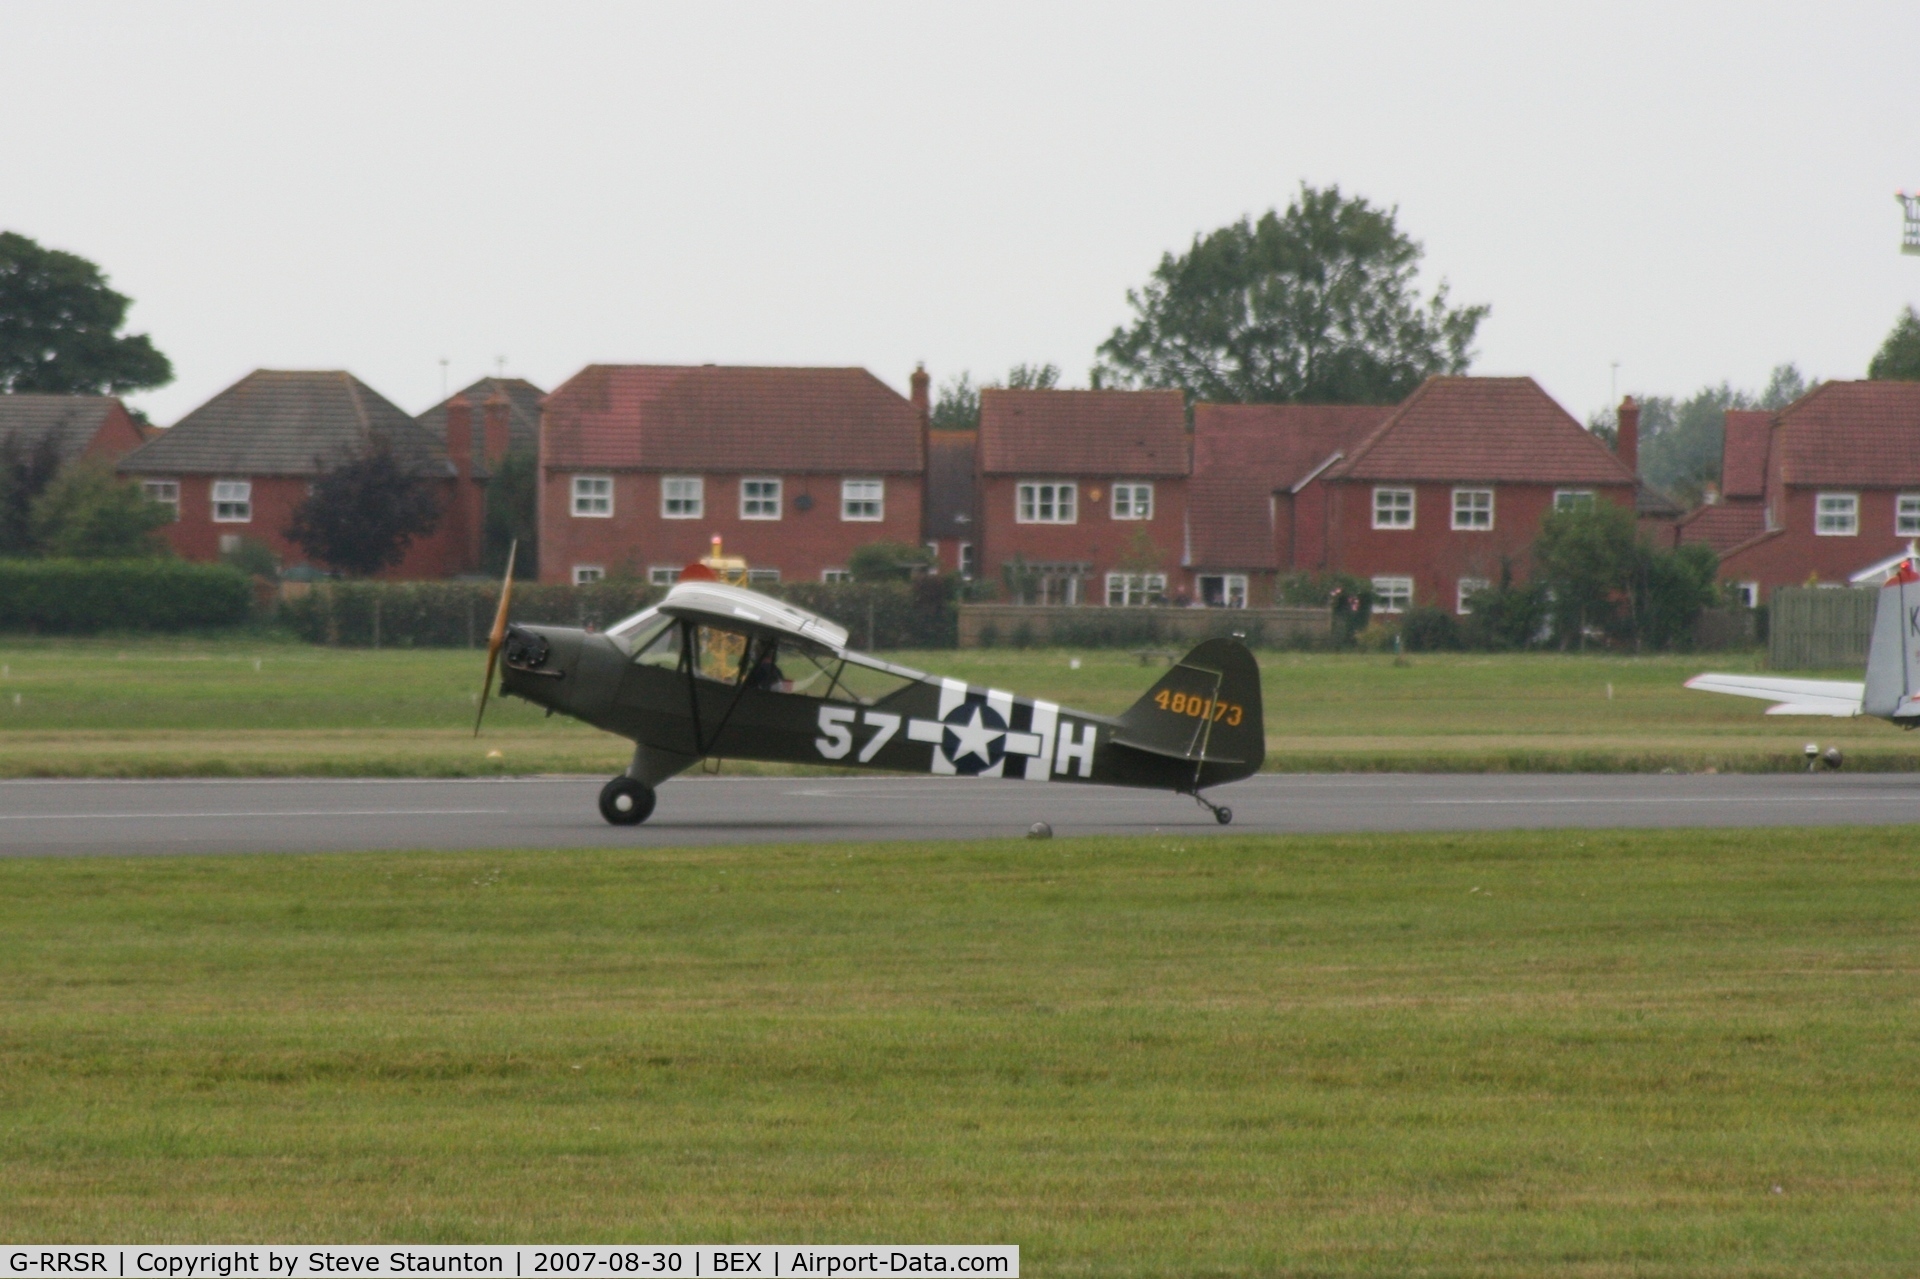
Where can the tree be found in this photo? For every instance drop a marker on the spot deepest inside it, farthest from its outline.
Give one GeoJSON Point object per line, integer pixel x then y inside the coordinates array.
{"type": "Point", "coordinates": [511, 493]}
{"type": "Point", "coordinates": [363, 514]}
{"type": "Point", "coordinates": [957, 407]}
{"type": "Point", "coordinates": [25, 472]}
{"type": "Point", "coordinates": [1898, 359]}
{"type": "Point", "coordinates": [889, 562]}
{"type": "Point", "coordinates": [1316, 305]}
{"type": "Point", "coordinates": [1033, 377]}
{"type": "Point", "coordinates": [59, 327]}
{"type": "Point", "coordinates": [1585, 558]}
{"type": "Point", "coordinates": [89, 513]}
{"type": "Point", "coordinates": [1681, 439]}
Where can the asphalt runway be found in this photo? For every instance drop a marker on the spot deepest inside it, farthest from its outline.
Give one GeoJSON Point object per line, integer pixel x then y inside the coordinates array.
{"type": "Point", "coordinates": [80, 818]}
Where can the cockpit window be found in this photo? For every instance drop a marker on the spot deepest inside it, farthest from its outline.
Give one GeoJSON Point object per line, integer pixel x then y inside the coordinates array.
{"type": "Point", "coordinates": [634, 631]}
{"type": "Point", "coordinates": [868, 684]}
{"type": "Point", "coordinates": [659, 647]}
{"type": "Point", "coordinates": [719, 655]}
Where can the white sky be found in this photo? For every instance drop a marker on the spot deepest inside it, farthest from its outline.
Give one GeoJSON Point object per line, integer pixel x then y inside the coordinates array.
{"type": "Point", "coordinates": [1698, 192]}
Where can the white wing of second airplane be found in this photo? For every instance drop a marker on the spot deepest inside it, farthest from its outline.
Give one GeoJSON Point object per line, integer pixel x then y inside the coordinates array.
{"type": "Point", "coordinates": [1836, 697]}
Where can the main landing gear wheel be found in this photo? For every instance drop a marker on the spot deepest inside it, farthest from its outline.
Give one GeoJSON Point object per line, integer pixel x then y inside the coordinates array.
{"type": "Point", "coordinates": [626, 802]}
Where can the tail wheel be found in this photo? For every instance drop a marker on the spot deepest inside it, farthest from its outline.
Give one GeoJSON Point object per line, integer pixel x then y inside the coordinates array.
{"type": "Point", "coordinates": [626, 802]}
{"type": "Point", "coordinates": [1223, 815]}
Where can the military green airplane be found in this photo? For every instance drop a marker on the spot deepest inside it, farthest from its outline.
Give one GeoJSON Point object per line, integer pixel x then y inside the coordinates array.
{"type": "Point", "coordinates": [718, 671]}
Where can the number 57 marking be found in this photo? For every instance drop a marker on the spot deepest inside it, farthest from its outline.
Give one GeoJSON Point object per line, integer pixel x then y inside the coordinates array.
{"type": "Point", "coordinates": [836, 737]}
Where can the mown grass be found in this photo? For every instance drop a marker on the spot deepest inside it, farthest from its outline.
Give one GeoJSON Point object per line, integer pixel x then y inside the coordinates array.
{"type": "Point", "coordinates": [237, 707]}
{"type": "Point", "coordinates": [1581, 1053]}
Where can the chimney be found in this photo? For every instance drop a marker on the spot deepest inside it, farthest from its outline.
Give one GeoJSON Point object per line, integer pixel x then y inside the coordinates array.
{"type": "Point", "coordinates": [460, 435]}
{"type": "Point", "coordinates": [1626, 444]}
{"type": "Point", "coordinates": [919, 382]}
{"type": "Point", "coordinates": [494, 434]}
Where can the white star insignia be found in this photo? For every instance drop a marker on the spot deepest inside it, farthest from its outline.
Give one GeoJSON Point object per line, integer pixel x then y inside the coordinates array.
{"type": "Point", "coordinates": [975, 738]}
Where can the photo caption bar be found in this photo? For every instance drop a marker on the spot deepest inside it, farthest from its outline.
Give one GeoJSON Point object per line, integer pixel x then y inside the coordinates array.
{"type": "Point", "coordinates": [510, 1261]}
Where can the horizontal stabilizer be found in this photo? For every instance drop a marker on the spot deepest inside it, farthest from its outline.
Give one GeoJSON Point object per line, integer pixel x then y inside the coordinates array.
{"type": "Point", "coordinates": [1173, 752]}
{"type": "Point", "coordinates": [1837, 698]}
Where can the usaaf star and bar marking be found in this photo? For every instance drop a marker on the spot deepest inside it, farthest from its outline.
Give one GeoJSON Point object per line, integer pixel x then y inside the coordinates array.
{"type": "Point", "coordinates": [976, 734]}
{"type": "Point", "coordinates": [506, 1261]}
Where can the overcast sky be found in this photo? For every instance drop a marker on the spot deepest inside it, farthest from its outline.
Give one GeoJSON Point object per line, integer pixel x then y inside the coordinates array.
{"type": "Point", "coordinates": [1697, 192]}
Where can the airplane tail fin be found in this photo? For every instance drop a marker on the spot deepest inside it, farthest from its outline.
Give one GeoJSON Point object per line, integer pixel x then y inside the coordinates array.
{"type": "Point", "coordinates": [1206, 709]}
{"type": "Point", "coordinates": [1893, 654]}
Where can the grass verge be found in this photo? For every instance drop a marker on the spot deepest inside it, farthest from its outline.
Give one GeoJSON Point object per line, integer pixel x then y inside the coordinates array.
{"type": "Point", "coordinates": [1642, 1053]}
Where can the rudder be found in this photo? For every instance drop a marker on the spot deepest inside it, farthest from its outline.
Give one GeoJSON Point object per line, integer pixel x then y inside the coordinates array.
{"type": "Point", "coordinates": [1206, 708]}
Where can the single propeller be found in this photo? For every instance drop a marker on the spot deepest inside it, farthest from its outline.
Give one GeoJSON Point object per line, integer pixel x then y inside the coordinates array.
{"type": "Point", "coordinates": [498, 636]}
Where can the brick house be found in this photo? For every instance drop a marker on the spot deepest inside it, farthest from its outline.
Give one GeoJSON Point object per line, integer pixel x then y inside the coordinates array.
{"type": "Point", "coordinates": [794, 468]}
{"type": "Point", "coordinates": [75, 427]}
{"type": "Point", "coordinates": [1082, 495]}
{"type": "Point", "coordinates": [238, 466]}
{"type": "Point", "coordinates": [1818, 491]}
{"type": "Point", "coordinates": [1245, 517]}
{"type": "Point", "coordinates": [1450, 488]}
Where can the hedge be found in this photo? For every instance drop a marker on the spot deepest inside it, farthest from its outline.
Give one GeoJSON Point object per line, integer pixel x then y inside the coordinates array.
{"type": "Point", "coordinates": [78, 597]}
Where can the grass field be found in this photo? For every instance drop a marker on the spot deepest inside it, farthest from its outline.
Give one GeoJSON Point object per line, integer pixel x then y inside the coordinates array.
{"type": "Point", "coordinates": [262, 707]}
{"type": "Point", "coordinates": [1589, 1054]}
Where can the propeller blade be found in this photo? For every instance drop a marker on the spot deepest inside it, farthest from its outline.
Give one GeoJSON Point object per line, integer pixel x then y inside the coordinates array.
{"type": "Point", "coordinates": [497, 636]}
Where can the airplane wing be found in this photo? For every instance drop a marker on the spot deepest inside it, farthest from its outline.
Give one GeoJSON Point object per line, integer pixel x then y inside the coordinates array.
{"type": "Point", "coordinates": [739, 609]}
{"type": "Point", "coordinates": [1838, 698]}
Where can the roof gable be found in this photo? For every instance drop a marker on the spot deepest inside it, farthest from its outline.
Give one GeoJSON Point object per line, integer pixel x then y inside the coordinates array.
{"type": "Point", "coordinates": [1858, 434]}
{"type": "Point", "coordinates": [71, 421]}
{"type": "Point", "coordinates": [711, 417]}
{"type": "Point", "coordinates": [1487, 429]}
{"type": "Point", "coordinates": [287, 422]}
{"type": "Point", "coordinates": [1242, 453]}
{"type": "Point", "coordinates": [1083, 433]}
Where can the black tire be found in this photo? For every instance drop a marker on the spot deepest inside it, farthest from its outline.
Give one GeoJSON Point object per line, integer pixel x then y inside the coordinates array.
{"type": "Point", "coordinates": [1223, 815]}
{"type": "Point", "coordinates": [626, 802]}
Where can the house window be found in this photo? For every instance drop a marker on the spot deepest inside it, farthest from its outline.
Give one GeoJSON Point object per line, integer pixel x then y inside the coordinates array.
{"type": "Point", "coordinates": [1748, 593]}
{"type": "Point", "coordinates": [682, 497]}
{"type": "Point", "coordinates": [1573, 499]}
{"type": "Point", "coordinates": [1473, 509]}
{"type": "Point", "coordinates": [1126, 590]}
{"type": "Point", "coordinates": [760, 499]}
{"type": "Point", "coordinates": [968, 566]}
{"type": "Point", "coordinates": [593, 496]}
{"type": "Point", "coordinates": [1392, 594]}
{"type": "Point", "coordinates": [763, 576]}
{"type": "Point", "coordinates": [232, 501]}
{"type": "Point", "coordinates": [1037, 503]}
{"type": "Point", "coordinates": [1837, 514]}
{"type": "Point", "coordinates": [1223, 590]}
{"type": "Point", "coordinates": [1466, 589]}
{"type": "Point", "coordinates": [165, 492]}
{"type": "Point", "coordinates": [863, 500]}
{"type": "Point", "coordinates": [1393, 508]}
{"type": "Point", "coordinates": [833, 576]}
{"type": "Point", "coordinates": [660, 576]}
{"type": "Point", "coordinates": [585, 573]}
{"type": "Point", "coordinates": [1906, 516]}
{"type": "Point", "coordinates": [1133, 501]}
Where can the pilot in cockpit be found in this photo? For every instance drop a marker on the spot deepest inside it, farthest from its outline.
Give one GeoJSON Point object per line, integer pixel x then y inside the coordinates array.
{"type": "Point", "coordinates": [766, 673]}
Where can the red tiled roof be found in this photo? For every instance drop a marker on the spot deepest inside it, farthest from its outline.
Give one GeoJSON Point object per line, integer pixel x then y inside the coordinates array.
{"type": "Point", "coordinates": [1083, 433]}
{"type": "Point", "coordinates": [1725, 525]}
{"type": "Point", "coordinates": [1743, 453]}
{"type": "Point", "coordinates": [1242, 453]}
{"type": "Point", "coordinates": [1483, 428]}
{"type": "Point", "coordinates": [707, 417]}
{"type": "Point", "coordinates": [1857, 434]}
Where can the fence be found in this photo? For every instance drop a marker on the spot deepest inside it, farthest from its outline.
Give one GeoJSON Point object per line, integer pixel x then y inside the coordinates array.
{"type": "Point", "coordinates": [1819, 628]}
{"type": "Point", "coordinates": [1090, 626]}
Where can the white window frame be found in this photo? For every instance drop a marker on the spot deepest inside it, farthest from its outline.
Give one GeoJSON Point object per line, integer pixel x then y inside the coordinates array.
{"type": "Point", "coordinates": [1392, 594]}
{"type": "Point", "coordinates": [165, 492]}
{"type": "Point", "coordinates": [592, 497]}
{"type": "Point", "coordinates": [1842, 520]}
{"type": "Point", "coordinates": [1134, 590]}
{"type": "Point", "coordinates": [863, 501]}
{"type": "Point", "coordinates": [1472, 509]}
{"type": "Point", "coordinates": [965, 562]}
{"type": "Point", "coordinates": [236, 497]}
{"type": "Point", "coordinates": [1573, 499]}
{"type": "Point", "coordinates": [1906, 515]}
{"type": "Point", "coordinates": [1046, 502]}
{"type": "Point", "coordinates": [763, 577]}
{"type": "Point", "coordinates": [1749, 593]}
{"type": "Point", "coordinates": [763, 504]}
{"type": "Point", "coordinates": [1233, 589]}
{"type": "Point", "coordinates": [585, 574]}
{"type": "Point", "coordinates": [1132, 501]}
{"type": "Point", "coordinates": [1389, 509]}
{"type": "Point", "coordinates": [663, 575]}
{"type": "Point", "coordinates": [836, 576]}
{"type": "Point", "coordinates": [1463, 592]}
{"type": "Point", "coordinates": [683, 497]}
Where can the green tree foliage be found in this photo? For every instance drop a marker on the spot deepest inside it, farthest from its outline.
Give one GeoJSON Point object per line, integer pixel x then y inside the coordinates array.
{"type": "Point", "coordinates": [1033, 377]}
{"type": "Point", "coordinates": [1898, 359]}
{"type": "Point", "coordinates": [511, 494]}
{"type": "Point", "coordinates": [889, 562]}
{"type": "Point", "coordinates": [1507, 615]}
{"type": "Point", "coordinates": [89, 513]}
{"type": "Point", "coordinates": [25, 471]}
{"type": "Point", "coordinates": [1681, 439]}
{"type": "Point", "coordinates": [1314, 305]}
{"type": "Point", "coordinates": [1604, 582]}
{"type": "Point", "coordinates": [957, 406]}
{"type": "Point", "coordinates": [364, 513]}
{"type": "Point", "coordinates": [1429, 629]}
{"type": "Point", "coordinates": [59, 327]}
{"type": "Point", "coordinates": [1670, 589]}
